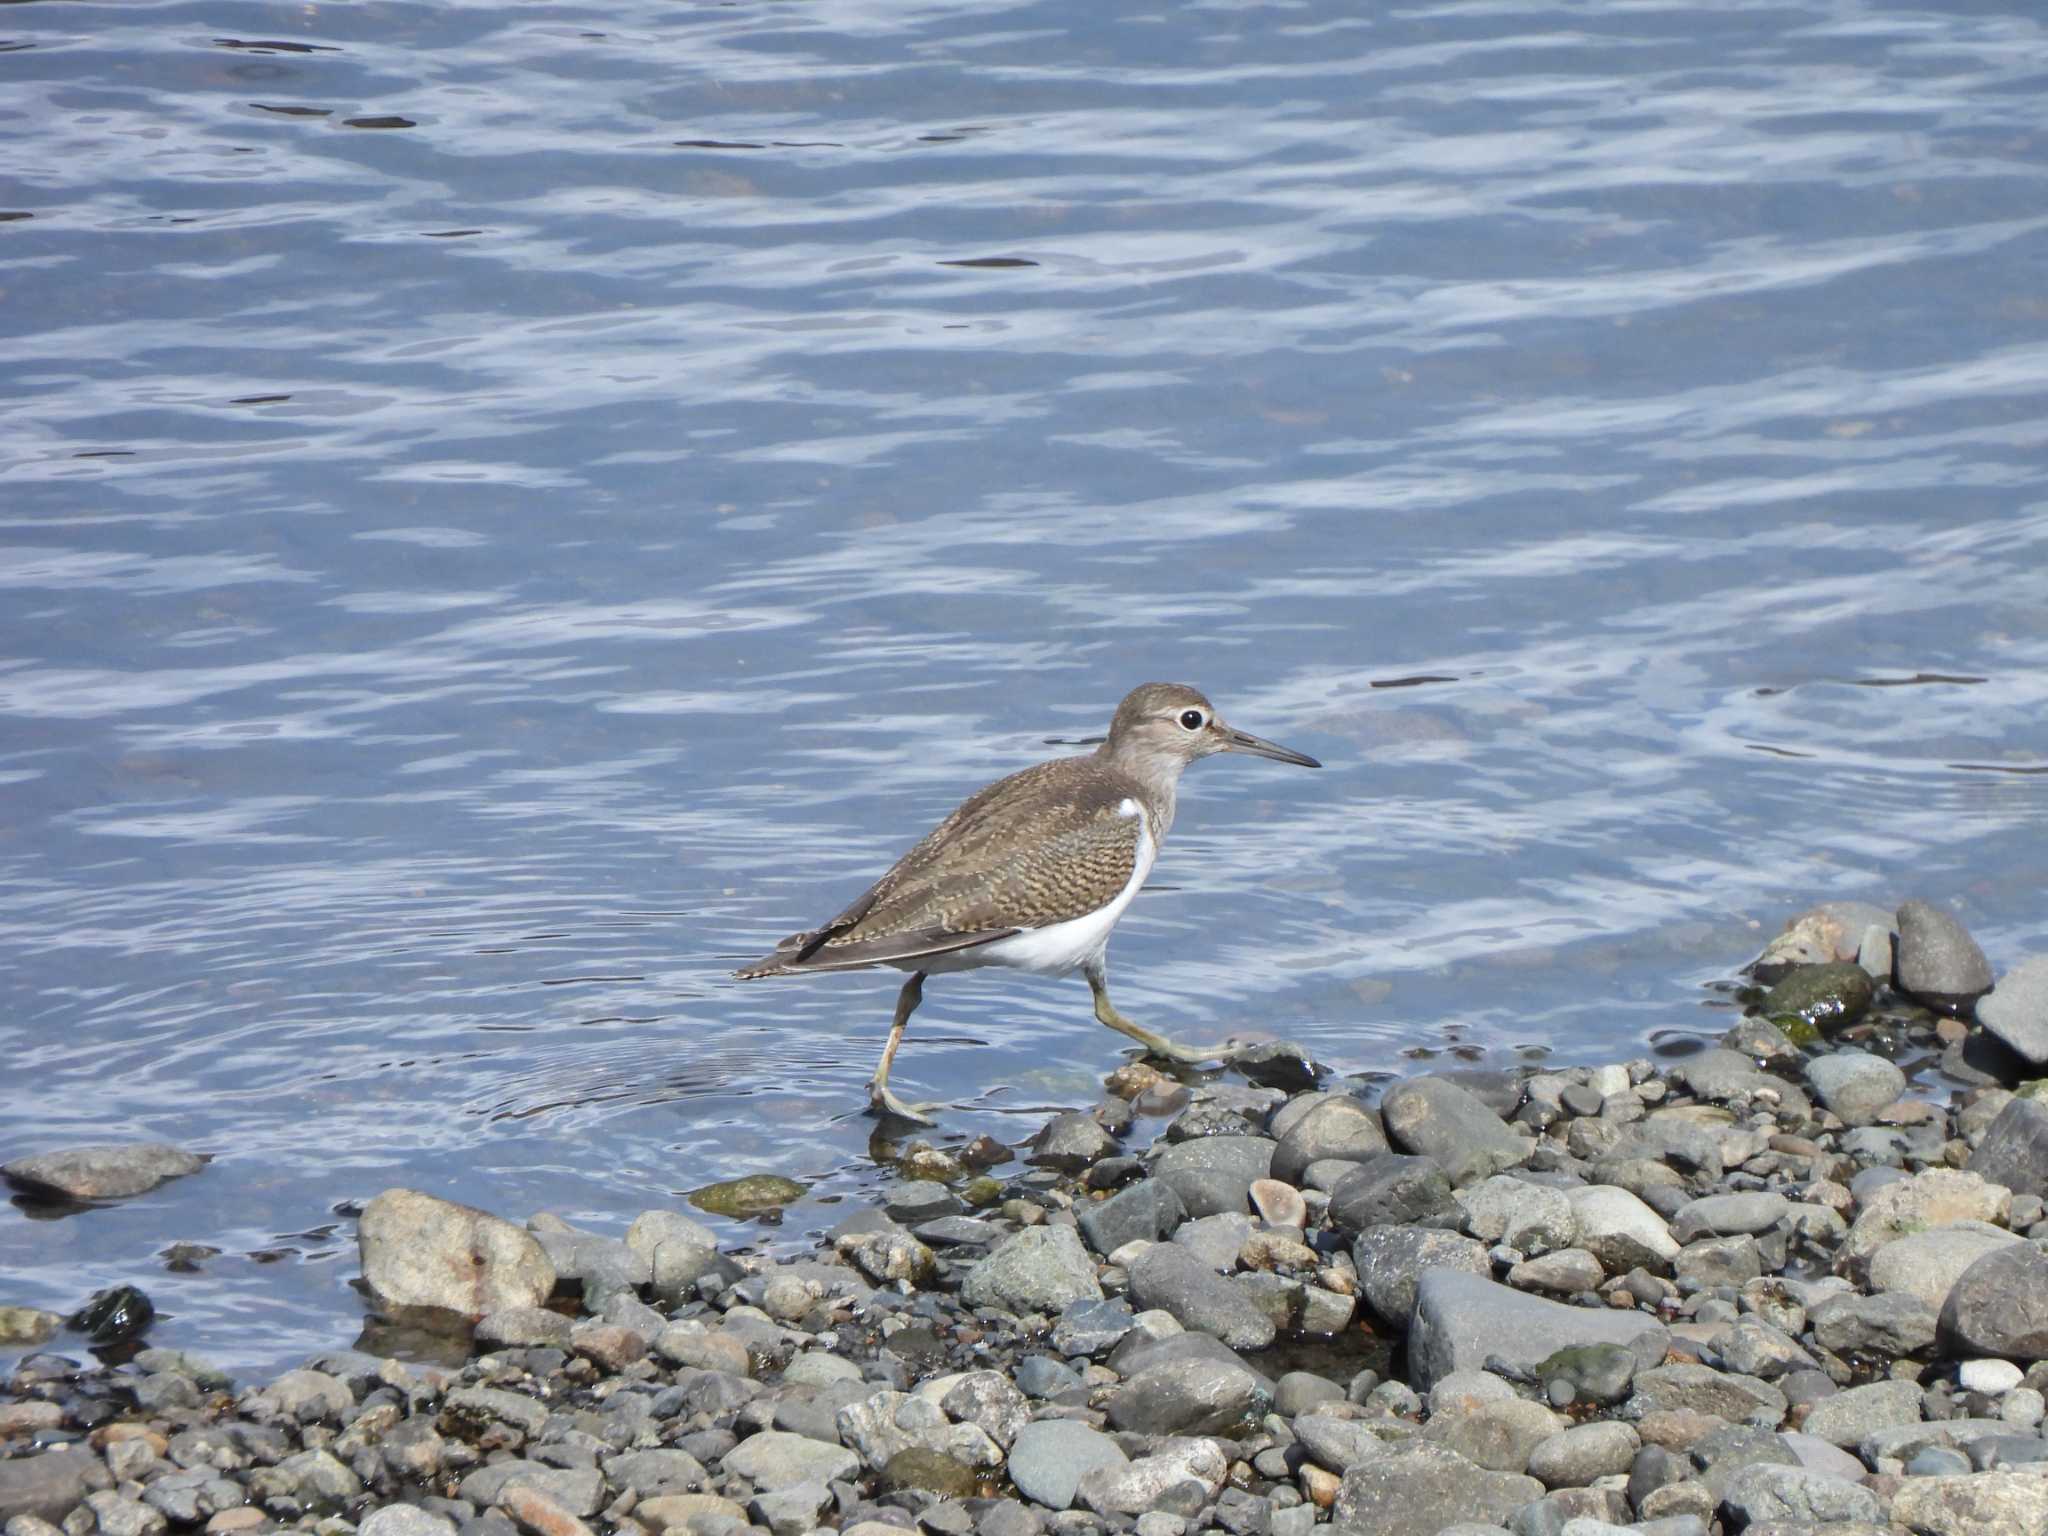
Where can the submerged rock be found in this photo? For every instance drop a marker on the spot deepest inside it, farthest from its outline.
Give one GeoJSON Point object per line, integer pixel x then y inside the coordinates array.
{"type": "Point", "coordinates": [101, 1172]}
{"type": "Point", "coordinates": [421, 1251]}
{"type": "Point", "coordinates": [754, 1194]}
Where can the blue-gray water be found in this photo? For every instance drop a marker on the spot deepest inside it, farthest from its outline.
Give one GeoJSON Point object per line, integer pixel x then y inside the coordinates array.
{"type": "Point", "coordinates": [465, 583]}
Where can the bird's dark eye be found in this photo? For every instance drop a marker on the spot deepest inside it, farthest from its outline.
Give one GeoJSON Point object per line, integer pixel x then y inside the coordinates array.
{"type": "Point", "coordinates": [1192, 719]}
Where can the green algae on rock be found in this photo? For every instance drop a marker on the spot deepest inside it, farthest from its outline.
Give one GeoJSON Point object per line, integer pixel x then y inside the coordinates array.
{"type": "Point", "coordinates": [752, 1194]}
{"type": "Point", "coordinates": [1822, 998]}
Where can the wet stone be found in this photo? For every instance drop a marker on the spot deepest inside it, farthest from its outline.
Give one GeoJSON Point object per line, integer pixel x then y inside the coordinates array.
{"type": "Point", "coordinates": [1148, 1211]}
{"type": "Point", "coordinates": [753, 1194]}
{"type": "Point", "coordinates": [1828, 998]}
{"type": "Point", "coordinates": [1938, 963]}
{"type": "Point", "coordinates": [1277, 1064]}
{"type": "Point", "coordinates": [1091, 1327]}
{"type": "Point", "coordinates": [2016, 1011]}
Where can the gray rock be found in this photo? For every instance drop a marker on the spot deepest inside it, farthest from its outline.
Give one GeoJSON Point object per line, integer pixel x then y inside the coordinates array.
{"type": "Point", "coordinates": [1727, 1077]}
{"type": "Point", "coordinates": [774, 1459]}
{"type": "Point", "coordinates": [1337, 1444]}
{"type": "Point", "coordinates": [404, 1520]}
{"type": "Point", "coordinates": [1141, 1351]}
{"type": "Point", "coordinates": [1335, 1126]}
{"type": "Point", "coordinates": [1148, 1210]}
{"type": "Point", "coordinates": [419, 1251]}
{"type": "Point", "coordinates": [1751, 1347]}
{"type": "Point", "coordinates": [1460, 1321]}
{"type": "Point", "coordinates": [115, 1514]}
{"type": "Point", "coordinates": [1215, 1240]}
{"type": "Point", "coordinates": [1732, 1215]}
{"type": "Point", "coordinates": [1214, 1173]}
{"type": "Point", "coordinates": [1041, 1269]}
{"type": "Point", "coordinates": [1928, 1264]}
{"type": "Point", "coordinates": [111, 1172]}
{"type": "Point", "coordinates": [1391, 1260]}
{"type": "Point", "coordinates": [1176, 1282]}
{"type": "Point", "coordinates": [1186, 1397]}
{"type": "Point", "coordinates": [791, 1510]}
{"type": "Point", "coordinates": [1179, 1477]}
{"type": "Point", "coordinates": [918, 1200]}
{"type": "Point", "coordinates": [1619, 1230]}
{"type": "Point", "coordinates": [1891, 1323]}
{"type": "Point", "coordinates": [2017, 1010]}
{"type": "Point", "coordinates": [579, 1490]}
{"type": "Point", "coordinates": [1938, 963]}
{"type": "Point", "coordinates": [1717, 1262]}
{"type": "Point", "coordinates": [986, 1399]}
{"type": "Point", "coordinates": [1845, 1418]}
{"type": "Point", "coordinates": [651, 1473]}
{"type": "Point", "coordinates": [1999, 1306]}
{"type": "Point", "coordinates": [1795, 1496]}
{"type": "Point", "coordinates": [1070, 1142]}
{"type": "Point", "coordinates": [1530, 1218]}
{"type": "Point", "coordinates": [1433, 1118]}
{"type": "Point", "coordinates": [2014, 1151]}
{"type": "Point", "coordinates": [1298, 1391]}
{"type": "Point", "coordinates": [1092, 1327]}
{"type": "Point", "coordinates": [1051, 1456]}
{"type": "Point", "coordinates": [470, 1413]}
{"type": "Point", "coordinates": [523, 1328]}
{"type": "Point", "coordinates": [1979, 1504]}
{"type": "Point", "coordinates": [1498, 1435]}
{"type": "Point", "coordinates": [885, 1424]}
{"type": "Point", "coordinates": [1701, 1389]}
{"type": "Point", "coordinates": [50, 1484]}
{"type": "Point", "coordinates": [1395, 1191]}
{"type": "Point", "coordinates": [1855, 1085]}
{"type": "Point", "coordinates": [1420, 1489]}
{"type": "Point", "coordinates": [1574, 1457]}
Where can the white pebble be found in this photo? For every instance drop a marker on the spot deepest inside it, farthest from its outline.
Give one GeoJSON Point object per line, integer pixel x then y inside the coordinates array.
{"type": "Point", "coordinates": [1991, 1377]}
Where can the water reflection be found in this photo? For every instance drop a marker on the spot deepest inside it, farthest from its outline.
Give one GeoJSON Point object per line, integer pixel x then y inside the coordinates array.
{"type": "Point", "coordinates": [468, 582]}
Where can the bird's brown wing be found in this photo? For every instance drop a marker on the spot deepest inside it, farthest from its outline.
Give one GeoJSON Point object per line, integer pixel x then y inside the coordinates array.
{"type": "Point", "coordinates": [1040, 847]}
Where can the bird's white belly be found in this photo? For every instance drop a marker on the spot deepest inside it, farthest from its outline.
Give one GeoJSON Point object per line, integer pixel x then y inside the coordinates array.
{"type": "Point", "coordinates": [1058, 948]}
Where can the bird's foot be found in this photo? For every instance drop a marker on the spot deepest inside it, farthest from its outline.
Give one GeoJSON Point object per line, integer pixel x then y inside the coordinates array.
{"type": "Point", "coordinates": [885, 1106]}
{"type": "Point", "coordinates": [1187, 1055]}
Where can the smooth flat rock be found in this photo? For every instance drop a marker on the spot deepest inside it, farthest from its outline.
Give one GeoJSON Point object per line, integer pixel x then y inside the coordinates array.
{"type": "Point", "coordinates": [1530, 1218]}
{"type": "Point", "coordinates": [1186, 1397]}
{"type": "Point", "coordinates": [1391, 1260]}
{"type": "Point", "coordinates": [1855, 1086]}
{"type": "Point", "coordinates": [1701, 1389]}
{"type": "Point", "coordinates": [1420, 1489]}
{"type": "Point", "coordinates": [1176, 1282]}
{"type": "Point", "coordinates": [1937, 962]}
{"type": "Point", "coordinates": [111, 1172]}
{"type": "Point", "coordinates": [1744, 1213]}
{"type": "Point", "coordinates": [422, 1251]}
{"type": "Point", "coordinates": [1848, 1416]}
{"type": "Point", "coordinates": [2016, 1010]}
{"type": "Point", "coordinates": [1051, 1456]}
{"type": "Point", "coordinates": [1040, 1269]}
{"type": "Point", "coordinates": [1196, 1466]}
{"type": "Point", "coordinates": [1926, 1265]}
{"type": "Point", "coordinates": [1462, 1320]}
{"type": "Point", "coordinates": [1434, 1118]}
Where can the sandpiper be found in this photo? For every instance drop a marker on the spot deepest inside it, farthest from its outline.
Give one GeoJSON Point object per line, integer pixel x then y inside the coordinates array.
{"type": "Point", "coordinates": [1031, 873]}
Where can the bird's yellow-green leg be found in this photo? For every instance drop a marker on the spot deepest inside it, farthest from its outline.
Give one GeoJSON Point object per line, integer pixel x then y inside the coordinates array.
{"type": "Point", "coordinates": [880, 1100]}
{"type": "Point", "coordinates": [1155, 1045]}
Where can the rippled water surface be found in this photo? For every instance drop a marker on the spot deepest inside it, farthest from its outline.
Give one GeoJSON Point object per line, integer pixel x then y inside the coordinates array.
{"type": "Point", "coordinates": [507, 510]}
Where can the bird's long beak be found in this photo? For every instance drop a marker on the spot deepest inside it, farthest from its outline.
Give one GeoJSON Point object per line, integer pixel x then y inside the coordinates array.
{"type": "Point", "coordinates": [1235, 740]}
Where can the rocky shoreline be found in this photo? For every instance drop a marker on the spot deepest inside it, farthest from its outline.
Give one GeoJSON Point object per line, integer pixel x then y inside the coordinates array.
{"type": "Point", "coordinates": [1760, 1287]}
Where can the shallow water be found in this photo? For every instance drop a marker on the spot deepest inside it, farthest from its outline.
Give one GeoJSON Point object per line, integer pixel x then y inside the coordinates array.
{"type": "Point", "coordinates": [506, 512]}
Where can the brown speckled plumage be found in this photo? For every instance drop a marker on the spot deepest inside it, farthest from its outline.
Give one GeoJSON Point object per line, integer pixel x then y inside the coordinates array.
{"type": "Point", "coordinates": [1038, 847]}
{"type": "Point", "coordinates": [1047, 859]}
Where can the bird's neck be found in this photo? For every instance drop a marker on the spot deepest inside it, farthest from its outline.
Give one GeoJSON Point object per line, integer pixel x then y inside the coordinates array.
{"type": "Point", "coordinates": [1156, 776]}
